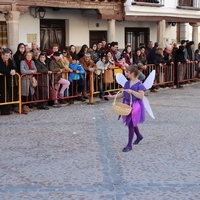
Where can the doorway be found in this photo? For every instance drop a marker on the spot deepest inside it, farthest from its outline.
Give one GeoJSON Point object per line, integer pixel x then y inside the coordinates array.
{"type": "Point", "coordinates": [52, 32]}
{"type": "Point", "coordinates": [96, 36]}
{"type": "Point", "coordinates": [136, 36]}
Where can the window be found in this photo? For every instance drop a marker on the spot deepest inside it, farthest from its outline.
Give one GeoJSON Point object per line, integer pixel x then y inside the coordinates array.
{"type": "Point", "coordinates": [188, 3]}
{"type": "Point", "coordinates": [148, 1]}
{"type": "Point", "coordinates": [3, 33]}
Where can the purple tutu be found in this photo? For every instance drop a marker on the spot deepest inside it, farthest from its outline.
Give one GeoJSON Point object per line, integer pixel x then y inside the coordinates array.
{"type": "Point", "coordinates": [137, 114]}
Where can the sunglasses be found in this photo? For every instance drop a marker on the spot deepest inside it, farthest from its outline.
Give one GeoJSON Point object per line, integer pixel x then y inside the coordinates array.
{"type": "Point", "coordinates": [64, 52]}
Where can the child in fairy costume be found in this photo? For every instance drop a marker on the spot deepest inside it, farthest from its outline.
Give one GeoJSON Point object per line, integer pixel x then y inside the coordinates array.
{"type": "Point", "coordinates": [134, 89]}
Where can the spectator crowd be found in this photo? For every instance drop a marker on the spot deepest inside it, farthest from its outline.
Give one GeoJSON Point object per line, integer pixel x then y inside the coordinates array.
{"type": "Point", "coordinates": [102, 58]}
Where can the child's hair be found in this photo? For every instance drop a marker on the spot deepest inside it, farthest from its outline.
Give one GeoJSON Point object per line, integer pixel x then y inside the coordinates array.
{"type": "Point", "coordinates": [140, 66]}
{"type": "Point", "coordinates": [106, 58]}
{"type": "Point", "coordinates": [133, 69]}
{"type": "Point", "coordinates": [74, 57]}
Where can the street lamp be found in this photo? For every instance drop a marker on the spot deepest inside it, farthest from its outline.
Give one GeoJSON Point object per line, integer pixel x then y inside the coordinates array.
{"type": "Point", "coordinates": [38, 12]}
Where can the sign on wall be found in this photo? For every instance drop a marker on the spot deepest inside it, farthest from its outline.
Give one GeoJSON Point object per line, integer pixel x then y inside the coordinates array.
{"type": "Point", "coordinates": [31, 38]}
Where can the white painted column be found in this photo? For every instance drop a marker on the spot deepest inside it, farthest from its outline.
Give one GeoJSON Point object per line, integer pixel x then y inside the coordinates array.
{"type": "Point", "coordinates": [161, 33]}
{"type": "Point", "coordinates": [195, 34]}
{"type": "Point", "coordinates": [111, 30]}
{"type": "Point", "coordinates": [12, 21]}
{"type": "Point", "coordinates": [183, 31]}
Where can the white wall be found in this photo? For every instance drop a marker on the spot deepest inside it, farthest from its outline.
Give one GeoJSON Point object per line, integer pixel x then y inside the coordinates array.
{"type": "Point", "coordinates": [28, 25]}
{"type": "Point", "coordinates": [78, 27]}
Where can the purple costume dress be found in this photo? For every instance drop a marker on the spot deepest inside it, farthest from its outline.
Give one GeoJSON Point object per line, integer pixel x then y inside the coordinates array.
{"type": "Point", "coordinates": [137, 114]}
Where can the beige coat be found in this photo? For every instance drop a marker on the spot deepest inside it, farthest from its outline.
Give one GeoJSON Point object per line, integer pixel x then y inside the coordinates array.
{"type": "Point", "coordinates": [26, 86]}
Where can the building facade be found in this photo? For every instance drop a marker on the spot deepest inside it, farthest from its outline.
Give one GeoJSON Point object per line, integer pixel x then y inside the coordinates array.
{"type": "Point", "coordinates": [85, 21]}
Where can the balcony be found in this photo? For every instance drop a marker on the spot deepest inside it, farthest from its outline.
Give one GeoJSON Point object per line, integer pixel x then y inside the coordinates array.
{"type": "Point", "coordinates": [157, 3]}
{"type": "Point", "coordinates": [189, 4]}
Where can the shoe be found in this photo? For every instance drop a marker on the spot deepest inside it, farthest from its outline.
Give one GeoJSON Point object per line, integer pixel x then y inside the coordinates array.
{"type": "Point", "coordinates": [85, 97]}
{"type": "Point", "coordinates": [57, 105]}
{"type": "Point", "coordinates": [80, 99]}
{"type": "Point", "coordinates": [71, 102]}
{"type": "Point", "coordinates": [43, 108]}
{"type": "Point", "coordinates": [153, 91]}
{"type": "Point", "coordinates": [25, 108]}
{"type": "Point", "coordinates": [62, 101]}
{"type": "Point", "coordinates": [126, 150]}
{"type": "Point", "coordinates": [137, 141]}
{"type": "Point", "coordinates": [61, 96]}
{"type": "Point", "coordinates": [106, 98]}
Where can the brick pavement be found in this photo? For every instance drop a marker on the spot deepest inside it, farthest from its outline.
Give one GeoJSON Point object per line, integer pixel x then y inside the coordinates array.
{"type": "Point", "coordinates": [75, 153]}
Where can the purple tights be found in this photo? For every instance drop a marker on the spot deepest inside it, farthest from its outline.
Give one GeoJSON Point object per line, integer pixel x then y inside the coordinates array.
{"type": "Point", "coordinates": [131, 130]}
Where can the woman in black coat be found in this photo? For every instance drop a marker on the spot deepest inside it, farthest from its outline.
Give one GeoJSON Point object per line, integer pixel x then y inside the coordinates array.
{"type": "Point", "coordinates": [19, 55]}
{"type": "Point", "coordinates": [42, 80]}
{"type": "Point", "coordinates": [180, 62]}
{"type": "Point", "coordinates": [180, 55]}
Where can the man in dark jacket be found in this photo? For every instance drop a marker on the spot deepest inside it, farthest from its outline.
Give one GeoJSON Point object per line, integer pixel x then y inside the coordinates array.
{"type": "Point", "coordinates": [6, 68]}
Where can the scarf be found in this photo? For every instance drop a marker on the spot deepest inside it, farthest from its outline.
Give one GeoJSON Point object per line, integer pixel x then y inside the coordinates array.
{"type": "Point", "coordinates": [168, 51]}
{"type": "Point", "coordinates": [29, 63]}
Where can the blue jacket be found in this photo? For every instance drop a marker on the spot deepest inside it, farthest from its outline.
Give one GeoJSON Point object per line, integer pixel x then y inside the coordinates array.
{"type": "Point", "coordinates": [75, 67]}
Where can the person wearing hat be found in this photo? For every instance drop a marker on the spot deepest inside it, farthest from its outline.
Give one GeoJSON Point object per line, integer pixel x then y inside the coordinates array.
{"type": "Point", "coordinates": [49, 54]}
{"type": "Point", "coordinates": [57, 66]}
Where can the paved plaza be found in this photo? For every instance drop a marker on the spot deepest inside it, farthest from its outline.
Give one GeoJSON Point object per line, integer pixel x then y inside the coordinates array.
{"type": "Point", "coordinates": [74, 152]}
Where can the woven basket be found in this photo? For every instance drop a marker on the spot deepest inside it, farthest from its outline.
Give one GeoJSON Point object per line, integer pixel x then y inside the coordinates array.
{"type": "Point", "coordinates": [121, 108]}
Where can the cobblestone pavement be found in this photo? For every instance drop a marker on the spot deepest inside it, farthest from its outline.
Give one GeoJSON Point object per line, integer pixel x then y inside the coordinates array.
{"type": "Point", "coordinates": [74, 152]}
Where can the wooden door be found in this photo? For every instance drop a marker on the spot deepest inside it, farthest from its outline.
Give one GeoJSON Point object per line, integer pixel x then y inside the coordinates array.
{"type": "Point", "coordinates": [136, 36]}
{"type": "Point", "coordinates": [52, 32]}
{"type": "Point", "coordinates": [96, 36]}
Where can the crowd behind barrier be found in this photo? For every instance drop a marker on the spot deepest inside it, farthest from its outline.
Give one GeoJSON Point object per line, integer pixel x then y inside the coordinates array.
{"type": "Point", "coordinates": [68, 75]}
{"type": "Point", "coordinates": [10, 94]}
{"type": "Point", "coordinates": [164, 75]}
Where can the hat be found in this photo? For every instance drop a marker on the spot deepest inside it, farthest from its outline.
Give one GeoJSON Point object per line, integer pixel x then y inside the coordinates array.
{"type": "Point", "coordinates": [49, 52]}
{"type": "Point", "coordinates": [56, 53]}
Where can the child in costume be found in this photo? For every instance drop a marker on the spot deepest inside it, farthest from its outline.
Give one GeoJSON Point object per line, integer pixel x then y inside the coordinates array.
{"type": "Point", "coordinates": [134, 89]}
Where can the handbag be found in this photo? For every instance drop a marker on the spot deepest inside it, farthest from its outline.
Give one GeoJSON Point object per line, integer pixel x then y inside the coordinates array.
{"type": "Point", "coordinates": [33, 81]}
{"type": "Point", "coordinates": [52, 91]}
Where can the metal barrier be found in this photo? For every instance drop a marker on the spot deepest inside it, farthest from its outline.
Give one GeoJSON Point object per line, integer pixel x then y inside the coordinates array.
{"type": "Point", "coordinates": [164, 74]}
{"type": "Point", "coordinates": [11, 92]}
{"type": "Point", "coordinates": [187, 72]}
{"type": "Point", "coordinates": [100, 84]}
{"type": "Point", "coordinates": [41, 92]}
{"type": "Point", "coordinates": [93, 83]}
